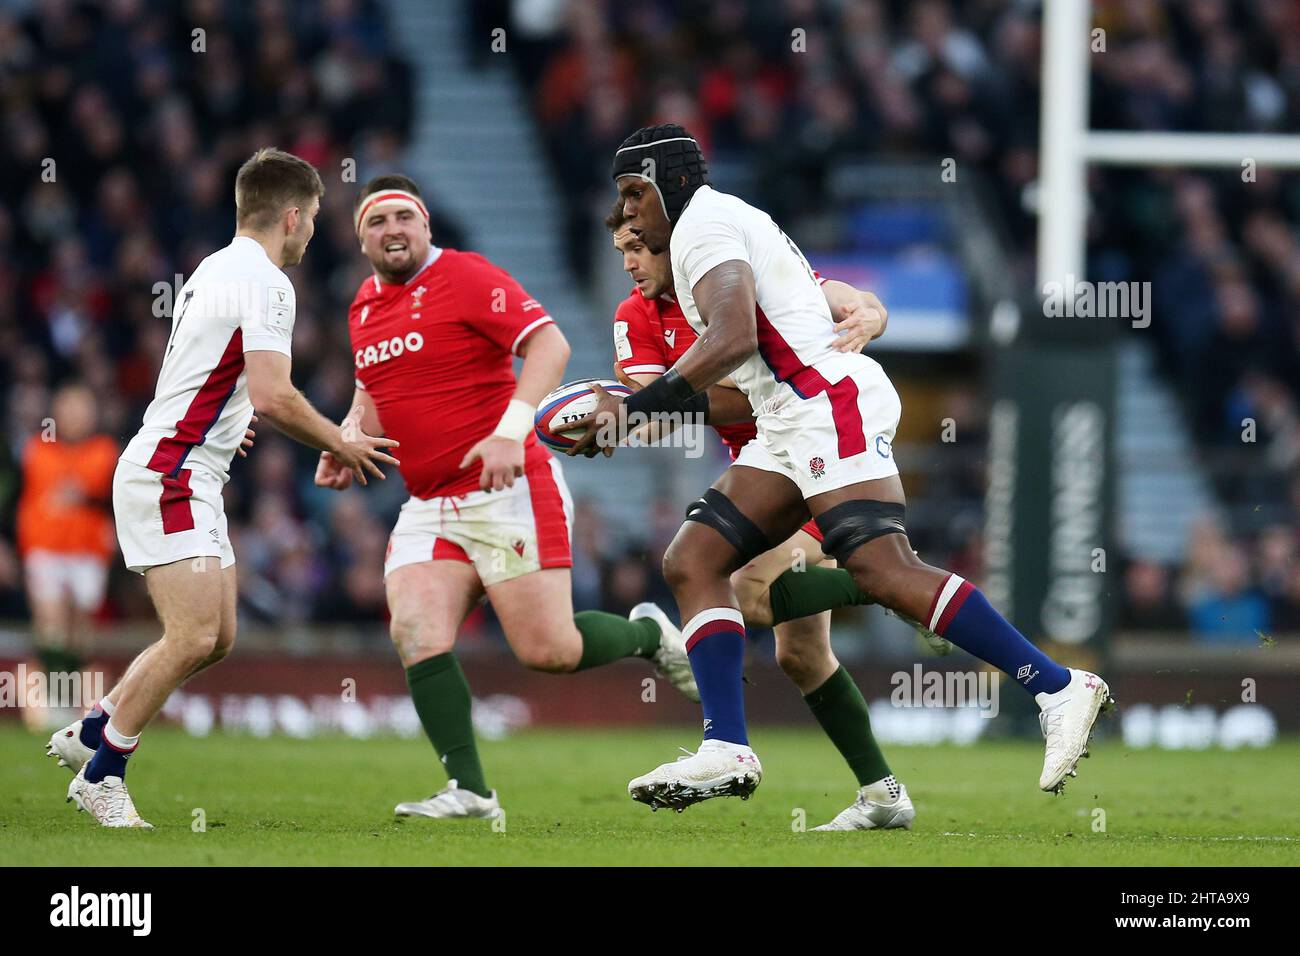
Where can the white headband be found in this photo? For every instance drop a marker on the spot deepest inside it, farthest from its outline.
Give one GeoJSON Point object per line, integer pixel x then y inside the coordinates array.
{"type": "Point", "coordinates": [390, 197]}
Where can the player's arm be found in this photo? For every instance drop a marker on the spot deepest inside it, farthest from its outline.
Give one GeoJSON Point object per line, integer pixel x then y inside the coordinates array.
{"type": "Point", "coordinates": [860, 317]}
{"type": "Point", "coordinates": [726, 298]}
{"type": "Point", "coordinates": [545, 353]}
{"type": "Point", "coordinates": [363, 406]}
{"type": "Point", "coordinates": [727, 404]}
{"type": "Point", "coordinates": [276, 399]}
{"type": "Point", "coordinates": [330, 472]}
{"type": "Point", "coordinates": [650, 432]}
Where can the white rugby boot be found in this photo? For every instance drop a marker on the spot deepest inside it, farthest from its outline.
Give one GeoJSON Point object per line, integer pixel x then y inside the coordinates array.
{"type": "Point", "coordinates": [939, 646]}
{"type": "Point", "coordinates": [717, 769]}
{"type": "Point", "coordinates": [1067, 720]}
{"type": "Point", "coordinates": [883, 805]}
{"type": "Point", "coordinates": [65, 745]}
{"type": "Point", "coordinates": [451, 802]}
{"type": "Point", "coordinates": [107, 801]}
{"type": "Point", "coordinates": [671, 660]}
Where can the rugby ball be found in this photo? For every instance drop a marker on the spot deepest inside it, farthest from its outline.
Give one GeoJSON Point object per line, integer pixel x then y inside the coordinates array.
{"type": "Point", "coordinates": [569, 403]}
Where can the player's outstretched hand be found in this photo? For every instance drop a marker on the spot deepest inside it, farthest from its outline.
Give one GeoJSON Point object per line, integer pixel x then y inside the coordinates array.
{"type": "Point", "coordinates": [859, 321]}
{"type": "Point", "coordinates": [249, 435]}
{"type": "Point", "coordinates": [331, 474]}
{"type": "Point", "coordinates": [360, 452]}
{"type": "Point", "coordinates": [603, 428]}
{"type": "Point", "coordinates": [503, 461]}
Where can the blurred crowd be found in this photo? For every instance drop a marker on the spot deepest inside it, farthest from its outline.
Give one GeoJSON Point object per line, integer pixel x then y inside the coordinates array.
{"type": "Point", "coordinates": [1229, 589]}
{"type": "Point", "coordinates": [792, 88]}
{"type": "Point", "coordinates": [147, 109]}
{"type": "Point", "coordinates": [124, 123]}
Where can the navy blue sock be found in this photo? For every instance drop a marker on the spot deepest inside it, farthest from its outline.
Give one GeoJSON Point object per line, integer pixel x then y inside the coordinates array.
{"type": "Point", "coordinates": [110, 759]}
{"type": "Point", "coordinates": [715, 642]}
{"type": "Point", "coordinates": [92, 727]}
{"type": "Point", "coordinates": [107, 762]}
{"type": "Point", "coordinates": [964, 616]}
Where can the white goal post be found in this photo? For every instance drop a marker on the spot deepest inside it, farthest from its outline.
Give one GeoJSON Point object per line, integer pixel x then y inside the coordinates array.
{"type": "Point", "coordinates": [1067, 145]}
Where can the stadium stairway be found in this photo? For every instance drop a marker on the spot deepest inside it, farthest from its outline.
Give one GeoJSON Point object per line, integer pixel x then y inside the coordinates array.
{"type": "Point", "coordinates": [468, 151]}
{"type": "Point", "coordinates": [1161, 490]}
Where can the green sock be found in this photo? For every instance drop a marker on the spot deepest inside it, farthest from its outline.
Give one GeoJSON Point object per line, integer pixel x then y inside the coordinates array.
{"type": "Point", "coordinates": [797, 594]}
{"type": "Point", "coordinates": [841, 709]}
{"type": "Point", "coordinates": [59, 660]}
{"type": "Point", "coordinates": [441, 696]}
{"type": "Point", "coordinates": [608, 637]}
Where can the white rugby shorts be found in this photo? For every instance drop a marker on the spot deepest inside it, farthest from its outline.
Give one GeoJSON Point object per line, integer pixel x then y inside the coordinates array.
{"type": "Point", "coordinates": [834, 436]}
{"type": "Point", "coordinates": [503, 534]}
{"type": "Point", "coordinates": [163, 519]}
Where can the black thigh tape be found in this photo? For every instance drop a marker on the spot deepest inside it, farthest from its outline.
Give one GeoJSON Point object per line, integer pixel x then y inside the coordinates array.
{"type": "Point", "coordinates": [716, 510]}
{"type": "Point", "coordinates": [850, 525]}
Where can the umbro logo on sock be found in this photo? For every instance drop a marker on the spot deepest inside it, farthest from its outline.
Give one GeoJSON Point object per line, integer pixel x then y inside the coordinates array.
{"type": "Point", "coordinates": [1026, 674]}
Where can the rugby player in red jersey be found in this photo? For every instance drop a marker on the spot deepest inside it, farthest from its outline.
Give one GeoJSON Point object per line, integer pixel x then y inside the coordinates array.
{"type": "Point", "coordinates": [434, 333]}
{"type": "Point", "coordinates": [650, 335]}
{"type": "Point", "coordinates": [826, 421]}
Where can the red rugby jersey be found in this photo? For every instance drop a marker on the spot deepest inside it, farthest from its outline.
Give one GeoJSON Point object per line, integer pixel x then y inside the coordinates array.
{"type": "Point", "coordinates": [649, 338]}
{"type": "Point", "coordinates": [434, 353]}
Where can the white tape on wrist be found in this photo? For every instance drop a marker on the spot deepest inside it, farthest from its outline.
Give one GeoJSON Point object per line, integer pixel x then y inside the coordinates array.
{"type": "Point", "coordinates": [517, 421]}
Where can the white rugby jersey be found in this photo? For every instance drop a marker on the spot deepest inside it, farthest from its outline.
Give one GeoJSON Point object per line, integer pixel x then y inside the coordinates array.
{"type": "Point", "coordinates": [236, 301]}
{"type": "Point", "coordinates": [795, 329]}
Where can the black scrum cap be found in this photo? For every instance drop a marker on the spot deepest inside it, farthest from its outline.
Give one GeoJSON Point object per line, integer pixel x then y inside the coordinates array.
{"type": "Point", "coordinates": [669, 159]}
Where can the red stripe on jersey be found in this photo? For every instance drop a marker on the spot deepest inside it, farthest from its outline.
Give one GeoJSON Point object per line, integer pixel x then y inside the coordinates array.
{"type": "Point", "coordinates": [204, 409]}
{"type": "Point", "coordinates": [549, 519]}
{"type": "Point", "coordinates": [174, 503]}
{"type": "Point", "coordinates": [954, 605]}
{"type": "Point", "coordinates": [847, 414]}
{"type": "Point", "coordinates": [812, 529]}
{"type": "Point", "coordinates": [809, 383]}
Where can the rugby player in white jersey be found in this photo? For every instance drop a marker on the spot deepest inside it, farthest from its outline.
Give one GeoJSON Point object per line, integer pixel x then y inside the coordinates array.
{"type": "Point", "coordinates": [229, 352]}
{"type": "Point", "coordinates": [826, 421]}
{"type": "Point", "coordinates": [793, 587]}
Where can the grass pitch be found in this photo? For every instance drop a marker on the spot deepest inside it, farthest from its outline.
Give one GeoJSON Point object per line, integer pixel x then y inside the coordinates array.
{"type": "Point", "coordinates": [328, 801]}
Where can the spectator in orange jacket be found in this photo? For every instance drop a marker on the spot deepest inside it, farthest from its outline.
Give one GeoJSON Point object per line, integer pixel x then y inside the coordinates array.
{"type": "Point", "coordinates": [65, 530]}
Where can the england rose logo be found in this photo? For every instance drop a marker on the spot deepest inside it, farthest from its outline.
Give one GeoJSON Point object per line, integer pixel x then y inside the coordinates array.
{"type": "Point", "coordinates": [817, 467]}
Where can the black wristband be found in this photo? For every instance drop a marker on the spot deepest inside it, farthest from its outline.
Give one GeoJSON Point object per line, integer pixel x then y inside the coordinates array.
{"type": "Point", "coordinates": [699, 405]}
{"type": "Point", "coordinates": [668, 393]}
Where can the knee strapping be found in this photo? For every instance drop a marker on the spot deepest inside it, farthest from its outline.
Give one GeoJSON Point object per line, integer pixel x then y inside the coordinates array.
{"type": "Point", "coordinates": [717, 511]}
{"type": "Point", "coordinates": [850, 525]}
